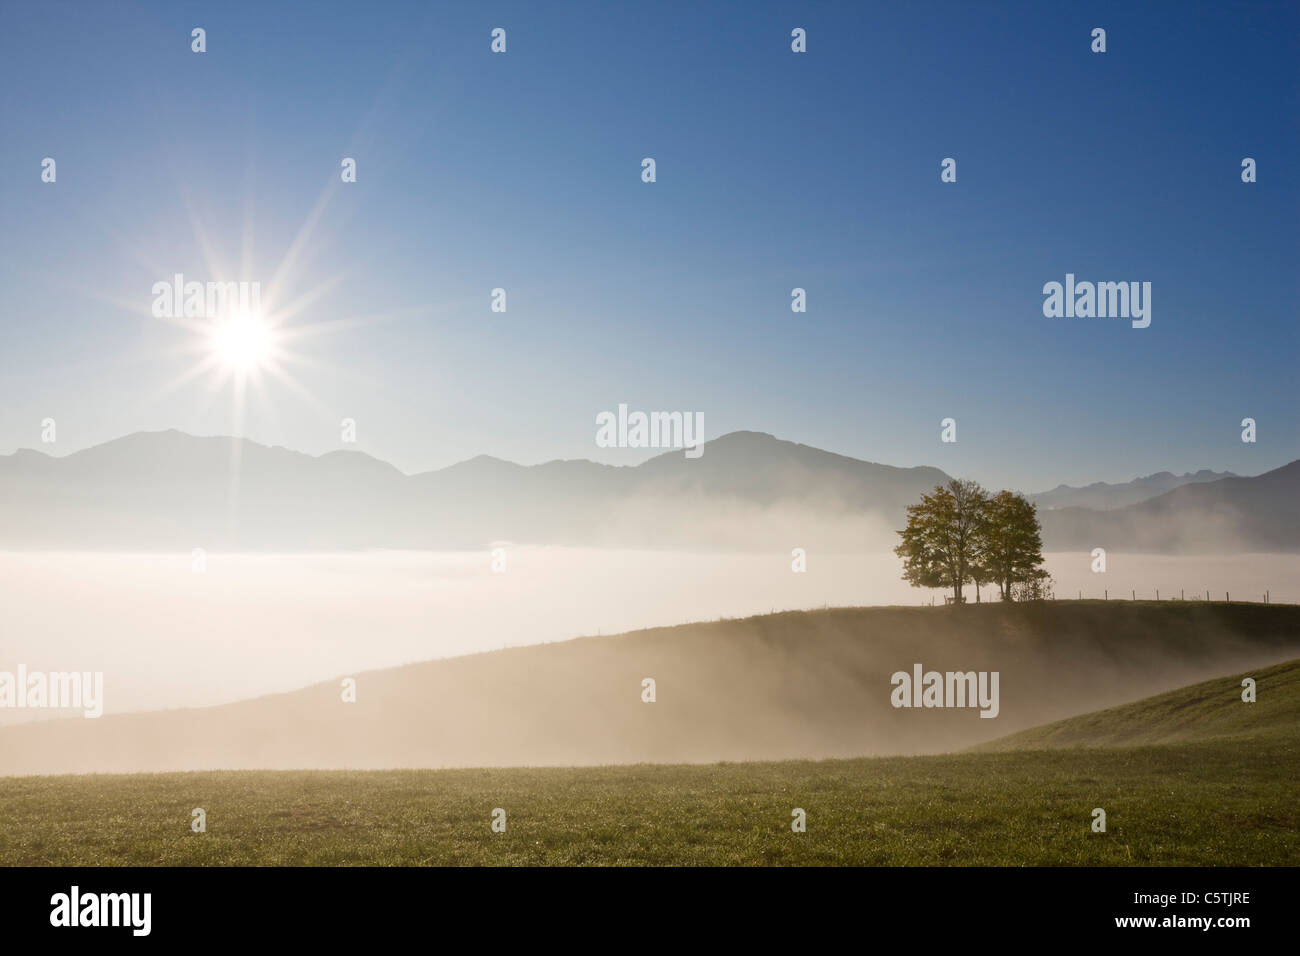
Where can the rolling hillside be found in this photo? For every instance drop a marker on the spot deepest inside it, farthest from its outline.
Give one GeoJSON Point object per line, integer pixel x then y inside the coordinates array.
{"type": "Point", "coordinates": [1226, 797]}
{"type": "Point", "coordinates": [790, 685]}
{"type": "Point", "coordinates": [1209, 711]}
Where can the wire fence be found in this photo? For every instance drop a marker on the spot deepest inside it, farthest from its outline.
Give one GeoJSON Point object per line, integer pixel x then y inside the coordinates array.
{"type": "Point", "coordinates": [1206, 596]}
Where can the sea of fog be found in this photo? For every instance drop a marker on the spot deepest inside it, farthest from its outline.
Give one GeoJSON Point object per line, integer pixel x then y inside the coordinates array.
{"type": "Point", "coordinates": [166, 636]}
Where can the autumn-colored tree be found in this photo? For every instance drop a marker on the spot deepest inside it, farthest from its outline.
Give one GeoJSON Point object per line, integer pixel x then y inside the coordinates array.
{"type": "Point", "coordinates": [1012, 545]}
{"type": "Point", "coordinates": [942, 543]}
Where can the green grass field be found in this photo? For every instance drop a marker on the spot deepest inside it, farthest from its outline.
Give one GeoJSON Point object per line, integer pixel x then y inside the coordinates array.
{"type": "Point", "coordinates": [1222, 793]}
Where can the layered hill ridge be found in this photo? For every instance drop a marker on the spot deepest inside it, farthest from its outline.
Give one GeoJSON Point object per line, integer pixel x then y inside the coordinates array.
{"type": "Point", "coordinates": [1229, 515]}
{"type": "Point", "coordinates": [170, 491]}
{"type": "Point", "coordinates": [1103, 496]}
{"type": "Point", "coordinates": [749, 491]}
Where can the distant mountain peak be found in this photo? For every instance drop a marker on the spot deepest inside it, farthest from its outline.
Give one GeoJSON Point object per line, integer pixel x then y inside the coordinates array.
{"type": "Point", "coordinates": [168, 490]}
{"type": "Point", "coordinates": [1101, 495]}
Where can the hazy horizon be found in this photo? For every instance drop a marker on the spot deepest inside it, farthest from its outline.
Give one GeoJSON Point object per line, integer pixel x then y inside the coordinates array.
{"type": "Point", "coordinates": [162, 635]}
{"type": "Point", "coordinates": [1080, 483]}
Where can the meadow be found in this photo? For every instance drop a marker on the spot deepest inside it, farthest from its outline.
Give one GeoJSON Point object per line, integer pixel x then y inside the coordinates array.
{"type": "Point", "coordinates": [1221, 790]}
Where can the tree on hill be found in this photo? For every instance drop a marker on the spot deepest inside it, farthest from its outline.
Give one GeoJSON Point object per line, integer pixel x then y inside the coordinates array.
{"type": "Point", "coordinates": [942, 543]}
{"type": "Point", "coordinates": [1012, 551]}
{"type": "Point", "coordinates": [960, 534]}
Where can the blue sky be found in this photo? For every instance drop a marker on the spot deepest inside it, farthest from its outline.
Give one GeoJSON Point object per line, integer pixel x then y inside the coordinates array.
{"type": "Point", "coordinates": [775, 170]}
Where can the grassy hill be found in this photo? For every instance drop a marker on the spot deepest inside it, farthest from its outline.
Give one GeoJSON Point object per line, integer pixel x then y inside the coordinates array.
{"type": "Point", "coordinates": [1227, 798]}
{"type": "Point", "coordinates": [799, 685]}
{"type": "Point", "coordinates": [1212, 710]}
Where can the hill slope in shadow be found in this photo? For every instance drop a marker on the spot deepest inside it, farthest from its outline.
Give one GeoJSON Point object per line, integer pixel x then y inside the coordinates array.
{"type": "Point", "coordinates": [790, 685]}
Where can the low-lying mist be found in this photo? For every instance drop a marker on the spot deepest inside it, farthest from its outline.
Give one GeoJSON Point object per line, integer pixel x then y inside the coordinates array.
{"type": "Point", "coordinates": [803, 684]}
{"type": "Point", "coordinates": [165, 636]}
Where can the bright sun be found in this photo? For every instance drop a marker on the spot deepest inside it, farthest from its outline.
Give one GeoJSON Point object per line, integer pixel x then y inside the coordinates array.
{"type": "Point", "coordinates": [243, 342]}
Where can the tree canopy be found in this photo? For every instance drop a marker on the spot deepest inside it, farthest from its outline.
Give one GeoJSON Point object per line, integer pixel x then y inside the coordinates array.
{"type": "Point", "coordinates": [959, 534]}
